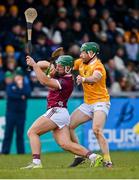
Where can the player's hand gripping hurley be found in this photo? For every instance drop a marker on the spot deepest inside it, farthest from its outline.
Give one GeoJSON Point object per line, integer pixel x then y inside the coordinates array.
{"type": "Point", "coordinates": [30, 15]}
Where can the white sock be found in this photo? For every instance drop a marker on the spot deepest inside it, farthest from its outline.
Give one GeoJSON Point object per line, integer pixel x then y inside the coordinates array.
{"type": "Point", "coordinates": [92, 156]}
{"type": "Point", "coordinates": [76, 156]}
{"type": "Point", "coordinates": [37, 161]}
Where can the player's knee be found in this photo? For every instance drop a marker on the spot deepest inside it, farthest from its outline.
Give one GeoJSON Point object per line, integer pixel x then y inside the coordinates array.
{"type": "Point", "coordinates": [30, 133]}
{"type": "Point", "coordinates": [72, 125]}
{"type": "Point", "coordinates": [97, 131]}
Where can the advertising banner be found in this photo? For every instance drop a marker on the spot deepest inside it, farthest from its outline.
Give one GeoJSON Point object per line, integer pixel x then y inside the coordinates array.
{"type": "Point", "coordinates": [123, 115]}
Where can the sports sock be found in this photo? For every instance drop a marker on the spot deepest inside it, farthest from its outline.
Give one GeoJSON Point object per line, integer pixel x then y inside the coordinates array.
{"type": "Point", "coordinates": [76, 156]}
{"type": "Point", "coordinates": [36, 159]}
{"type": "Point", "coordinates": [107, 157]}
{"type": "Point", "coordinates": [91, 155]}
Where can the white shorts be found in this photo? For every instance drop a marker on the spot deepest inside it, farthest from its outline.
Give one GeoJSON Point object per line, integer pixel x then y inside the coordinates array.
{"type": "Point", "coordinates": [60, 116]}
{"type": "Point", "coordinates": [89, 109]}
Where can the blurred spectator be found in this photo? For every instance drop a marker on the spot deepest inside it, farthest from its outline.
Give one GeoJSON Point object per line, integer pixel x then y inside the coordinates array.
{"type": "Point", "coordinates": [60, 4]}
{"type": "Point", "coordinates": [89, 4]}
{"type": "Point", "coordinates": [37, 30]}
{"type": "Point", "coordinates": [10, 52]}
{"type": "Point", "coordinates": [13, 37]}
{"type": "Point", "coordinates": [9, 3]}
{"type": "Point", "coordinates": [77, 31]}
{"type": "Point", "coordinates": [101, 5]}
{"type": "Point", "coordinates": [113, 74]}
{"type": "Point", "coordinates": [104, 18]}
{"type": "Point", "coordinates": [74, 51]}
{"type": "Point", "coordinates": [95, 32]}
{"type": "Point", "coordinates": [9, 76]}
{"type": "Point", "coordinates": [136, 79]}
{"type": "Point", "coordinates": [17, 93]}
{"type": "Point", "coordinates": [119, 10]}
{"type": "Point", "coordinates": [9, 49]}
{"type": "Point", "coordinates": [134, 31]}
{"type": "Point", "coordinates": [3, 18]}
{"type": "Point", "coordinates": [41, 50]}
{"type": "Point", "coordinates": [119, 60]}
{"type": "Point", "coordinates": [72, 5]}
{"type": "Point", "coordinates": [123, 84]}
{"type": "Point", "coordinates": [61, 16]}
{"type": "Point", "coordinates": [132, 49]}
{"type": "Point", "coordinates": [85, 38]}
{"type": "Point", "coordinates": [119, 42]}
{"type": "Point", "coordinates": [132, 19]}
{"type": "Point", "coordinates": [92, 18]}
{"type": "Point", "coordinates": [112, 31]}
{"type": "Point", "coordinates": [13, 17]}
{"type": "Point", "coordinates": [77, 16]}
{"type": "Point", "coordinates": [130, 74]}
{"type": "Point", "coordinates": [46, 13]}
{"type": "Point", "coordinates": [34, 83]}
{"type": "Point", "coordinates": [106, 50]}
{"type": "Point", "coordinates": [65, 34]}
{"type": "Point", "coordinates": [10, 63]}
{"type": "Point", "coordinates": [24, 4]}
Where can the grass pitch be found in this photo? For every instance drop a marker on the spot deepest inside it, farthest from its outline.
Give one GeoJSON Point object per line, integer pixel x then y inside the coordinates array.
{"type": "Point", "coordinates": [55, 166]}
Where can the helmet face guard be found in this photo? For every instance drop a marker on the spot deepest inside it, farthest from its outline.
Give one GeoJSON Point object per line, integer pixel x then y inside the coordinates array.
{"type": "Point", "coordinates": [66, 61]}
{"type": "Point", "coordinates": [90, 46]}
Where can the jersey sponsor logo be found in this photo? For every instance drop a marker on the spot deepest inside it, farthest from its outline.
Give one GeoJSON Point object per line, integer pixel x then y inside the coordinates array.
{"type": "Point", "coordinates": [60, 103]}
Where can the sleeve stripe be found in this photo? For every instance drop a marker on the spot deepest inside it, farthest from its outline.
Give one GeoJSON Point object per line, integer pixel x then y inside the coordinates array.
{"type": "Point", "coordinates": [98, 72]}
{"type": "Point", "coordinates": [99, 69]}
{"type": "Point", "coordinates": [59, 84]}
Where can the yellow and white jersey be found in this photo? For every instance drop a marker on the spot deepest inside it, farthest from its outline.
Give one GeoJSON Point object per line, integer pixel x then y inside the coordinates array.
{"type": "Point", "coordinates": [95, 92]}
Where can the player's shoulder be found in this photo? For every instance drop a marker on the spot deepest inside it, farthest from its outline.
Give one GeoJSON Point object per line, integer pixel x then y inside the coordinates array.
{"type": "Point", "coordinates": [77, 64]}
{"type": "Point", "coordinates": [78, 61]}
{"type": "Point", "coordinates": [99, 63]}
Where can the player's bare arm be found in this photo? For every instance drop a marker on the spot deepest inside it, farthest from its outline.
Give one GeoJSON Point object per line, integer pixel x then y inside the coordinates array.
{"type": "Point", "coordinates": [43, 79]}
{"type": "Point", "coordinates": [97, 75]}
{"type": "Point", "coordinates": [47, 65]}
{"type": "Point", "coordinates": [43, 64]}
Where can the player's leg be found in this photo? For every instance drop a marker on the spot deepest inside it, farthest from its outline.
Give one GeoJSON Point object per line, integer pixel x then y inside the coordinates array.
{"type": "Point", "coordinates": [39, 127]}
{"type": "Point", "coordinates": [67, 144]}
{"type": "Point", "coordinates": [99, 119]}
{"type": "Point", "coordinates": [78, 117]}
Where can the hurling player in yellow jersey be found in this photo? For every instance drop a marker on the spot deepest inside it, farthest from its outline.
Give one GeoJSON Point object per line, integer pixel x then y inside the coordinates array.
{"type": "Point", "coordinates": [92, 76]}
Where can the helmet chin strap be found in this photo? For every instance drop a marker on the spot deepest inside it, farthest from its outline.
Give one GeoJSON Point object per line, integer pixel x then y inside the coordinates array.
{"type": "Point", "coordinates": [91, 57]}
{"type": "Point", "coordinates": [67, 71]}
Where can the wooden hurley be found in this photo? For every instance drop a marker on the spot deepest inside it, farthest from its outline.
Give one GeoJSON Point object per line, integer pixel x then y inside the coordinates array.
{"type": "Point", "coordinates": [30, 15]}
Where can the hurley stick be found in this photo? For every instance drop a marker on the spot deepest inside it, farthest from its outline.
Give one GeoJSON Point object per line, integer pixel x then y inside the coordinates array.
{"type": "Point", "coordinates": [30, 15]}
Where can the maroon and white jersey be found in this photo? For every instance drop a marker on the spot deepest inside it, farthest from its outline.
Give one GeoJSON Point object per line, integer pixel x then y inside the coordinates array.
{"type": "Point", "coordinates": [59, 98]}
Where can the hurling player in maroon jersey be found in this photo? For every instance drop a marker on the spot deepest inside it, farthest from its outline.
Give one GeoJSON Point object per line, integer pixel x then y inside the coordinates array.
{"type": "Point", "coordinates": [57, 117]}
